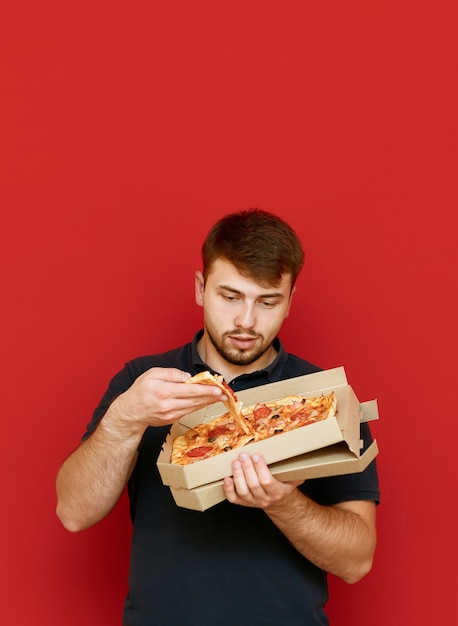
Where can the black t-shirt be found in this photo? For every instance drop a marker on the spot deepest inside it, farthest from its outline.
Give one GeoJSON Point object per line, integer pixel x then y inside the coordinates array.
{"type": "Point", "coordinates": [230, 564]}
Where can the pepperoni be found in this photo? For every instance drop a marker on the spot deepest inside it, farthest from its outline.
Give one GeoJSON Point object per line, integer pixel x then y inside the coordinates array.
{"type": "Point", "coordinates": [218, 430]}
{"type": "Point", "coordinates": [261, 411]}
{"type": "Point", "coordinates": [229, 390]}
{"type": "Point", "coordinates": [199, 451]}
{"type": "Point", "coordinates": [304, 416]}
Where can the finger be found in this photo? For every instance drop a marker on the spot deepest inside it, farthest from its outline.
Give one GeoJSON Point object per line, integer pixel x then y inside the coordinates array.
{"type": "Point", "coordinates": [169, 374]}
{"type": "Point", "coordinates": [168, 382]}
{"type": "Point", "coordinates": [238, 478]}
{"type": "Point", "coordinates": [206, 391]}
{"type": "Point", "coordinates": [259, 479]}
{"type": "Point", "coordinates": [229, 490]}
{"type": "Point", "coordinates": [238, 492]}
{"type": "Point", "coordinates": [174, 404]}
{"type": "Point", "coordinates": [246, 480]}
{"type": "Point", "coordinates": [255, 470]}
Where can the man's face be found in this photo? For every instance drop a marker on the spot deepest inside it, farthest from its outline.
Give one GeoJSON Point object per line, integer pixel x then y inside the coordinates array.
{"type": "Point", "coordinates": [241, 317]}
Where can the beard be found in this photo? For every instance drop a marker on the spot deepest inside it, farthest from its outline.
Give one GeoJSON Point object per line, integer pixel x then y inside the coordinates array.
{"type": "Point", "coordinates": [238, 357]}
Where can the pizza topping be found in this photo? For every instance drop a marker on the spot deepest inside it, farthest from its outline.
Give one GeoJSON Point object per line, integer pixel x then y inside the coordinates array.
{"type": "Point", "coordinates": [200, 451]}
{"type": "Point", "coordinates": [219, 430]}
{"type": "Point", "coordinates": [191, 434]}
{"type": "Point", "coordinates": [261, 411]}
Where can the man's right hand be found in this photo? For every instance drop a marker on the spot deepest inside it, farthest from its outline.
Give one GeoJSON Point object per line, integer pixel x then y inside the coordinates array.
{"type": "Point", "coordinates": [158, 397]}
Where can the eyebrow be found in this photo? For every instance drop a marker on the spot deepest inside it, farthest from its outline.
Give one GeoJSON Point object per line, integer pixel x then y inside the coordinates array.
{"type": "Point", "coordinates": [275, 294]}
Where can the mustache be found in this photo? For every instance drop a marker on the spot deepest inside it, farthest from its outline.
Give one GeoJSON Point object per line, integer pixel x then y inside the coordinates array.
{"type": "Point", "coordinates": [244, 333]}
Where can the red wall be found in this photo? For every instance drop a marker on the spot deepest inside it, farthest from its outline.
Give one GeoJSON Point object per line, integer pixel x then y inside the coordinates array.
{"type": "Point", "coordinates": [127, 129]}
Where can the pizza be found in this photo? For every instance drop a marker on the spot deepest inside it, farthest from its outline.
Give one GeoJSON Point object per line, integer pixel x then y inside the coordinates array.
{"type": "Point", "coordinates": [261, 421]}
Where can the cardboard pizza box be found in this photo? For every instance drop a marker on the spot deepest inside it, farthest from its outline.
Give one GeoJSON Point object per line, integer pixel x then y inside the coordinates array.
{"type": "Point", "coordinates": [334, 460]}
{"type": "Point", "coordinates": [343, 428]}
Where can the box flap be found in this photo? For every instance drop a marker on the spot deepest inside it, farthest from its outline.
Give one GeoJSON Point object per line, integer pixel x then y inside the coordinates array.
{"type": "Point", "coordinates": [369, 411]}
{"type": "Point", "coordinates": [333, 461]}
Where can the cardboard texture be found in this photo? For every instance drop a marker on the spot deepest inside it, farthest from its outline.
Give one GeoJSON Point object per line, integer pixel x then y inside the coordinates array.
{"type": "Point", "coordinates": [323, 449]}
{"type": "Point", "coordinates": [332, 461]}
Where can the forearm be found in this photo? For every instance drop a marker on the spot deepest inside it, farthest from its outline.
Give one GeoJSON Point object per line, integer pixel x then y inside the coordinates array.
{"type": "Point", "coordinates": [339, 539]}
{"type": "Point", "coordinates": [92, 478]}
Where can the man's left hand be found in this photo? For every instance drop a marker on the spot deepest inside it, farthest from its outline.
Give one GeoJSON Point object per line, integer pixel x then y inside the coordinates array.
{"type": "Point", "coordinates": [253, 485]}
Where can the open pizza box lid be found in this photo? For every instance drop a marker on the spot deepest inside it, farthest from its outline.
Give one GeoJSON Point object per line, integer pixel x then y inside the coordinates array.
{"type": "Point", "coordinates": [343, 428]}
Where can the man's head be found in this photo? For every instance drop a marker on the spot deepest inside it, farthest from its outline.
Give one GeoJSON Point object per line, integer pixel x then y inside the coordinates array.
{"type": "Point", "coordinates": [259, 244]}
{"type": "Point", "coordinates": [250, 263]}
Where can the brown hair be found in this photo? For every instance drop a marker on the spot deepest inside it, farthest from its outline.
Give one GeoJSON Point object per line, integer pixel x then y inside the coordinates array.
{"type": "Point", "coordinates": [259, 244]}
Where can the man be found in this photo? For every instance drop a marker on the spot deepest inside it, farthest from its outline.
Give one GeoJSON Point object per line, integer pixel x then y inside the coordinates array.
{"type": "Point", "coordinates": [261, 556]}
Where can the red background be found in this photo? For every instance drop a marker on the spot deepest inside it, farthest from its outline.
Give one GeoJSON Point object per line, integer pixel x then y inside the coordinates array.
{"type": "Point", "coordinates": [126, 130]}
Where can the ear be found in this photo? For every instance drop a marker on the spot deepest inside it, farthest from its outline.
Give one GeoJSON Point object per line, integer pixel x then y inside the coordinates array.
{"type": "Point", "coordinates": [199, 288]}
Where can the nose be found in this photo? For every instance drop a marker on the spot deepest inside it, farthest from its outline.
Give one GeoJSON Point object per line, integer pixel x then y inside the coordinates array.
{"type": "Point", "coordinates": [246, 318]}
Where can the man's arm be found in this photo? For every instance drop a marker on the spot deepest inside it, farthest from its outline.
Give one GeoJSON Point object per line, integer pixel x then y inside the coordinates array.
{"type": "Point", "coordinates": [91, 480]}
{"type": "Point", "coordinates": [339, 539]}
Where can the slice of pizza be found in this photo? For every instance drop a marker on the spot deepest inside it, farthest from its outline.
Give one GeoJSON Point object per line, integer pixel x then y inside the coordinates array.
{"type": "Point", "coordinates": [231, 404]}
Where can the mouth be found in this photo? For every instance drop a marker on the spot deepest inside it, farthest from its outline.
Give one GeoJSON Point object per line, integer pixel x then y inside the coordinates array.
{"type": "Point", "coordinates": [243, 342]}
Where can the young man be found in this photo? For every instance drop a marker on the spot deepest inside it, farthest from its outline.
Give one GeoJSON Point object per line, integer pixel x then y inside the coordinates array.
{"type": "Point", "coordinates": [261, 556]}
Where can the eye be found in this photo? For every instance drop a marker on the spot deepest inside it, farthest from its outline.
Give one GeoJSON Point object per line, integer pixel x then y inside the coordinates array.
{"type": "Point", "coordinates": [230, 297]}
{"type": "Point", "coordinates": [268, 304]}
